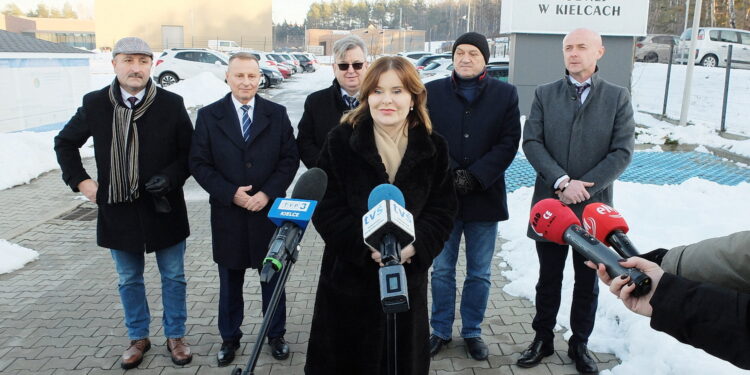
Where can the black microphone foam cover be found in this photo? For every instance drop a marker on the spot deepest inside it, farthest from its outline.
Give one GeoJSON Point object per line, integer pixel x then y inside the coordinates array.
{"type": "Point", "coordinates": [311, 185]}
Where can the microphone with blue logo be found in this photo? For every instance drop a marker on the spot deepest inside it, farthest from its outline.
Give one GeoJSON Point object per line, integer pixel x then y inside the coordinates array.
{"type": "Point", "coordinates": [389, 227]}
{"type": "Point", "coordinates": [292, 215]}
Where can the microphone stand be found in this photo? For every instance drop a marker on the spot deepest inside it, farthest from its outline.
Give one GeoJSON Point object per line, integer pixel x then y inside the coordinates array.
{"type": "Point", "coordinates": [390, 329]}
{"type": "Point", "coordinates": [275, 298]}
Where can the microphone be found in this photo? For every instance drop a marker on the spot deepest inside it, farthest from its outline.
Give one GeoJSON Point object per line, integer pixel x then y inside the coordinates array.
{"type": "Point", "coordinates": [388, 227]}
{"type": "Point", "coordinates": [554, 221]}
{"type": "Point", "coordinates": [609, 227]}
{"type": "Point", "coordinates": [292, 216]}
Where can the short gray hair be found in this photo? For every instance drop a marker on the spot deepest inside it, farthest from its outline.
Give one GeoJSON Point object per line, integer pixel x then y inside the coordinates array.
{"type": "Point", "coordinates": [347, 43]}
{"type": "Point", "coordinates": [243, 56]}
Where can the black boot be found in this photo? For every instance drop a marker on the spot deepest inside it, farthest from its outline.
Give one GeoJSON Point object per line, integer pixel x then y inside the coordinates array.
{"type": "Point", "coordinates": [535, 352]}
{"type": "Point", "coordinates": [580, 355]}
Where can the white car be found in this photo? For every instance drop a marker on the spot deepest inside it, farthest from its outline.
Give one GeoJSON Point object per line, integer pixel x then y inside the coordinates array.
{"type": "Point", "coordinates": [176, 64]}
{"type": "Point", "coordinates": [712, 46]}
{"type": "Point", "coordinates": [414, 55]}
{"type": "Point", "coordinates": [436, 69]}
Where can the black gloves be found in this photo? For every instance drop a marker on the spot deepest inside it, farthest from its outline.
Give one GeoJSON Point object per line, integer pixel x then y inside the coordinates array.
{"type": "Point", "coordinates": [464, 181]}
{"type": "Point", "coordinates": [158, 185]}
{"type": "Point", "coordinates": [655, 256]}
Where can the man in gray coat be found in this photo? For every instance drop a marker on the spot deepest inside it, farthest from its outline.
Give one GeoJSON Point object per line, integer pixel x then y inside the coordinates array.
{"type": "Point", "coordinates": [579, 138]}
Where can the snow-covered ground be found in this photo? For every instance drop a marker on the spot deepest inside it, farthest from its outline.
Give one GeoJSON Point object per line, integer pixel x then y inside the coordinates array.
{"type": "Point", "coordinates": [14, 257]}
{"type": "Point", "coordinates": [658, 216]}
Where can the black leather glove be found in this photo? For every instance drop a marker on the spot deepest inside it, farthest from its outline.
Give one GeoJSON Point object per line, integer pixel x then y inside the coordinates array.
{"type": "Point", "coordinates": [464, 181]}
{"type": "Point", "coordinates": [158, 185]}
{"type": "Point", "coordinates": [655, 256]}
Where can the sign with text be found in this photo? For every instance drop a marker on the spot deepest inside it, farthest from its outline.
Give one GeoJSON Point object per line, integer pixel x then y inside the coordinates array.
{"type": "Point", "coordinates": [608, 17]}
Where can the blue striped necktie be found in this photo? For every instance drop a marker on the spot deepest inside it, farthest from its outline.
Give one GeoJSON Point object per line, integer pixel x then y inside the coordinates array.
{"type": "Point", "coordinates": [245, 122]}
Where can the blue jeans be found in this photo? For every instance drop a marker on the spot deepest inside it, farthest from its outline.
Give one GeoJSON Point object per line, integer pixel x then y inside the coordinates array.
{"type": "Point", "coordinates": [129, 267]}
{"type": "Point", "coordinates": [480, 246]}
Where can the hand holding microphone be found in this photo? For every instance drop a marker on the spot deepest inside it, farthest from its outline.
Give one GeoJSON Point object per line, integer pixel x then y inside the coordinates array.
{"type": "Point", "coordinates": [554, 221]}
{"type": "Point", "coordinates": [389, 227]}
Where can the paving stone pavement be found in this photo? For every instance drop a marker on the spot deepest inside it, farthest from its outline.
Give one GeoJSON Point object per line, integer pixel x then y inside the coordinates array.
{"type": "Point", "coordinates": [61, 314]}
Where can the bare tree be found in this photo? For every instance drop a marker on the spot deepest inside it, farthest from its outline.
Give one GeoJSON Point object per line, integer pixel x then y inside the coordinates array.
{"type": "Point", "coordinates": [732, 14]}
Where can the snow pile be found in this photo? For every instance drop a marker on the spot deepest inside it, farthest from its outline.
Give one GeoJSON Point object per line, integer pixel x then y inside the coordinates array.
{"type": "Point", "coordinates": [26, 155]}
{"type": "Point", "coordinates": [705, 209]}
{"type": "Point", "coordinates": [13, 257]}
{"type": "Point", "coordinates": [200, 90]}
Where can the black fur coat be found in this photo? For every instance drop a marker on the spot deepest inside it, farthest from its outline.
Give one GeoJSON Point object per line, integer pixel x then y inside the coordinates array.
{"type": "Point", "coordinates": [348, 334]}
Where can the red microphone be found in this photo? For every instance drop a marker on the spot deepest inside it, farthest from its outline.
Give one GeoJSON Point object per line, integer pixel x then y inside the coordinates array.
{"type": "Point", "coordinates": [609, 227]}
{"type": "Point", "coordinates": [556, 222]}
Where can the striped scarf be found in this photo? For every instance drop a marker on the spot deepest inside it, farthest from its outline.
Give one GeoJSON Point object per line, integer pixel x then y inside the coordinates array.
{"type": "Point", "coordinates": [123, 172]}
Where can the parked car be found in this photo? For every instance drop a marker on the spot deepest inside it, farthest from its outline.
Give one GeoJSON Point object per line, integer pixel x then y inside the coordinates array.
{"type": "Point", "coordinates": [282, 62]}
{"type": "Point", "coordinates": [305, 62]}
{"type": "Point", "coordinates": [271, 77]}
{"type": "Point", "coordinates": [414, 55]}
{"type": "Point", "coordinates": [424, 60]}
{"type": "Point", "coordinates": [654, 47]}
{"type": "Point", "coordinates": [499, 72]}
{"type": "Point", "coordinates": [439, 67]}
{"type": "Point", "coordinates": [712, 46]}
{"type": "Point", "coordinates": [285, 70]}
{"type": "Point", "coordinates": [293, 60]}
{"type": "Point", "coordinates": [224, 45]}
{"type": "Point", "coordinates": [176, 64]}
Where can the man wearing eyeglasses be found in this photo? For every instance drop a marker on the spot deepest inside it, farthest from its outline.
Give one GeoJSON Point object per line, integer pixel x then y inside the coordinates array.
{"type": "Point", "coordinates": [324, 108]}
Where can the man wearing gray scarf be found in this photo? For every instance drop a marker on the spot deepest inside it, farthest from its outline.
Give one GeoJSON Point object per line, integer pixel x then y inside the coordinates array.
{"type": "Point", "coordinates": [142, 138]}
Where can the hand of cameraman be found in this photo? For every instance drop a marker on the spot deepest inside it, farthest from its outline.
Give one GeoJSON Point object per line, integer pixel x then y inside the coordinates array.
{"type": "Point", "coordinates": [622, 287]}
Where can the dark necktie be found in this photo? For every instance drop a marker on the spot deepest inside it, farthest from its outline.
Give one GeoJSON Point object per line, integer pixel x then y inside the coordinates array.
{"type": "Point", "coordinates": [245, 122]}
{"type": "Point", "coordinates": [351, 101]}
{"type": "Point", "coordinates": [580, 89]}
{"type": "Point", "coordinates": [132, 101]}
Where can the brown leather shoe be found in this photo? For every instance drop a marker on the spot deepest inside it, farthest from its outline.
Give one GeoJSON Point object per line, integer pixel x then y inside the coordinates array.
{"type": "Point", "coordinates": [133, 356]}
{"type": "Point", "coordinates": [180, 350]}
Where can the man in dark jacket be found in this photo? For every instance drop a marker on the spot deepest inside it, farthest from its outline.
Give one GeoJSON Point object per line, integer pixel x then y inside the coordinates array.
{"type": "Point", "coordinates": [579, 138]}
{"type": "Point", "coordinates": [707, 316]}
{"type": "Point", "coordinates": [479, 118]}
{"type": "Point", "coordinates": [141, 134]}
{"type": "Point", "coordinates": [244, 155]}
{"type": "Point", "coordinates": [323, 109]}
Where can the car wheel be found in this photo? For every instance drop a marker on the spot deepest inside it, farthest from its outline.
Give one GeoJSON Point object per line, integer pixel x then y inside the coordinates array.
{"type": "Point", "coordinates": [709, 61]}
{"type": "Point", "coordinates": [651, 58]}
{"type": "Point", "coordinates": [167, 79]}
{"type": "Point", "coordinates": [267, 84]}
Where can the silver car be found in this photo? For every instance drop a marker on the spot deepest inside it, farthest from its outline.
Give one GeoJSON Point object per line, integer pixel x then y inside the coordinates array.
{"type": "Point", "coordinates": [655, 47]}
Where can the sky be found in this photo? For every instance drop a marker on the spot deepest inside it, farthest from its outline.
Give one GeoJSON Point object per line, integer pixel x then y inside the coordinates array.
{"type": "Point", "coordinates": [293, 11]}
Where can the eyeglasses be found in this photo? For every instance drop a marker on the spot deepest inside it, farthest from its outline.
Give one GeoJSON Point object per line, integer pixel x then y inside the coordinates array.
{"type": "Point", "coordinates": [345, 66]}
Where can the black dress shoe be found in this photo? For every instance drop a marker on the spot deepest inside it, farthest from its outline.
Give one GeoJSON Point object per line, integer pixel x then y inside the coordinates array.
{"type": "Point", "coordinates": [279, 348]}
{"type": "Point", "coordinates": [436, 344]}
{"type": "Point", "coordinates": [477, 348]}
{"type": "Point", "coordinates": [580, 355]}
{"type": "Point", "coordinates": [535, 352]}
{"type": "Point", "coordinates": [226, 353]}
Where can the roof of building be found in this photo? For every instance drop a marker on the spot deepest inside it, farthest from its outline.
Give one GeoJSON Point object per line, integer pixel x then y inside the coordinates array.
{"type": "Point", "coordinates": [12, 42]}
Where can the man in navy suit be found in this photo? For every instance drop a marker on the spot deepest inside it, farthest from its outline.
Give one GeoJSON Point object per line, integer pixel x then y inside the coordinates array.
{"type": "Point", "coordinates": [244, 156]}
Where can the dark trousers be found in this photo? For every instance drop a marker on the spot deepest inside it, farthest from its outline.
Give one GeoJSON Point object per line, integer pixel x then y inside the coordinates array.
{"type": "Point", "coordinates": [231, 304]}
{"type": "Point", "coordinates": [585, 292]}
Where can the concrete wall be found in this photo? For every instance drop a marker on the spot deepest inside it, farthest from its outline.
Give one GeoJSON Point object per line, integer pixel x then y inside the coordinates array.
{"type": "Point", "coordinates": [41, 91]}
{"type": "Point", "coordinates": [247, 22]}
{"type": "Point", "coordinates": [536, 59]}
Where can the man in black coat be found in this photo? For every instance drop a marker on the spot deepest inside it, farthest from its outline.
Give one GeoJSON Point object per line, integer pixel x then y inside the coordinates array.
{"type": "Point", "coordinates": [323, 109]}
{"type": "Point", "coordinates": [479, 118]}
{"type": "Point", "coordinates": [244, 156]}
{"type": "Point", "coordinates": [141, 144]}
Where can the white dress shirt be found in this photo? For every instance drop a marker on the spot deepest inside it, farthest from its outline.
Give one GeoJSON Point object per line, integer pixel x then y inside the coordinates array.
{"type": "Point", "coordinates": [126, 95]}
{"type": "Point", "coordinates": [240, 112]}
